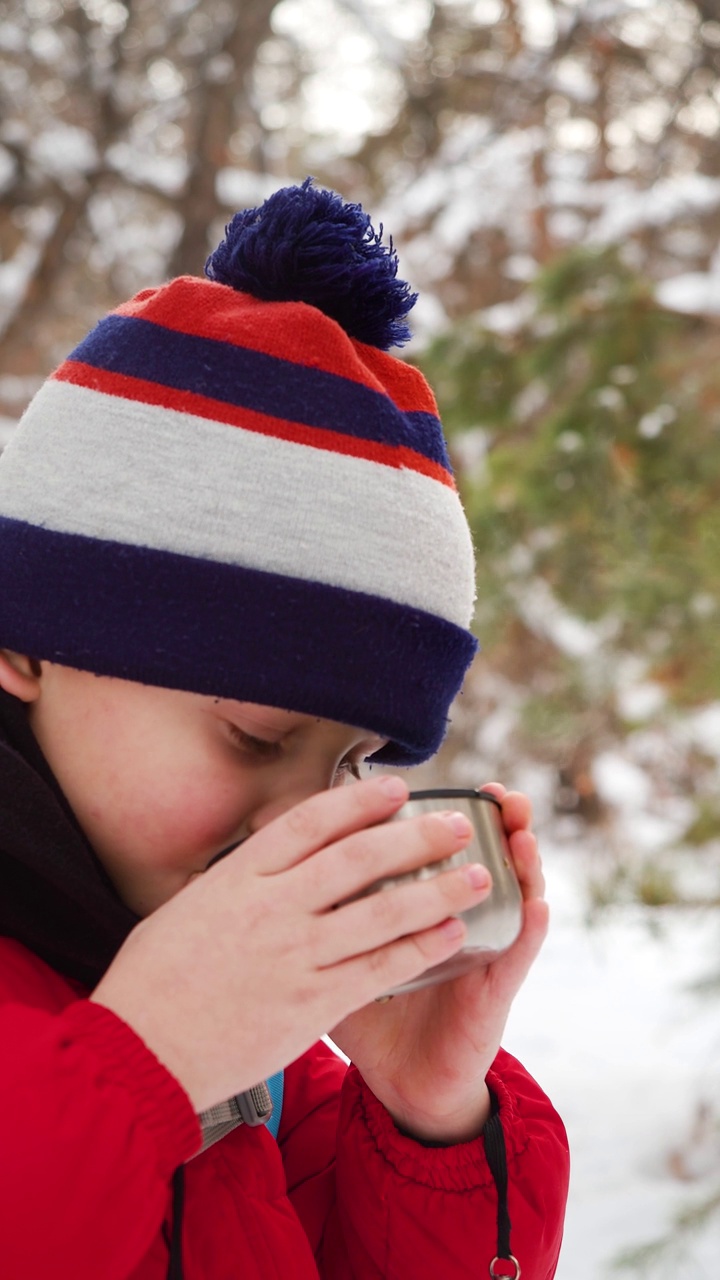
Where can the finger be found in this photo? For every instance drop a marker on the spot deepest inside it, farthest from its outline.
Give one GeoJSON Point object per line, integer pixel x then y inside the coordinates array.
{"type": "Point", "coordinates": [495, 788]}
{"type": "Point", "coordinates": [516, 811]}
{"type": "Point", "coordinates": [527, 863]}
{"type": "Point", "coordinates": [516, 808]}
{"type": "Point", "coordinates": [373, 974]}
{"type": "Point", "coordinates": [389, 914]}
{"type": "Point", "coordinates": [510, 971]}
{"type": "Point", "coordinates": [348, 866]}
{"type": "Point", "coordinates": [321, 820]}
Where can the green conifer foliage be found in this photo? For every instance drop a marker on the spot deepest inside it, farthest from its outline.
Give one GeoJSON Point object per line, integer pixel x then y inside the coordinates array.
{"type": "Point", "coordinates": [587, 447]}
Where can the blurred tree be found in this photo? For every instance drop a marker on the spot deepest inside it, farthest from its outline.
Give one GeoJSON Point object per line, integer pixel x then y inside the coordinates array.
{"type": "Point", "coordinates": [117, 116]}
{"type": "Point", "coordinates": [588, 448]}
{"type": "Point", "coordinates": [495, 134]}
{"type": "Point", "coordinates": [526, 128]}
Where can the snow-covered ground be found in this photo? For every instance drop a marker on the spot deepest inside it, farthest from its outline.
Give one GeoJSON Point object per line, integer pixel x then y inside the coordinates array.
{"type": "Point", "coordinates": [609, 1025]}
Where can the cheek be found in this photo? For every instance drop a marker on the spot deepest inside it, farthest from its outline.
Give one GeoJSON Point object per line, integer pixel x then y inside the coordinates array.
{"type": "Point", "coordinates": [159, 805]}
{"type": "Point", "coordinates": [187, 811]}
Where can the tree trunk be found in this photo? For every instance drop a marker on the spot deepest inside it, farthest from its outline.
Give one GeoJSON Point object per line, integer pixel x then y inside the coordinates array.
{"type": "Point", "coordinates": [216, 114]}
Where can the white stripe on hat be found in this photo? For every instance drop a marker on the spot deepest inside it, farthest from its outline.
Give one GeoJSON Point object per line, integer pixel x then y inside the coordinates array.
{"type": "Point", "coordinates": [89, 463]}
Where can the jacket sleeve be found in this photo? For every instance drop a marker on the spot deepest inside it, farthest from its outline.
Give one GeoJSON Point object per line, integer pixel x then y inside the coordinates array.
{"type": "Point", "coordinates": [395, 1207]}
{"type": "Point", "coordinates": [93, 1127]}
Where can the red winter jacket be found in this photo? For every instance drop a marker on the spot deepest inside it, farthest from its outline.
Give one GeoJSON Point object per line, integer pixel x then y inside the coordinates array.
{"type": "Point", "coordinates": [94, 1128]}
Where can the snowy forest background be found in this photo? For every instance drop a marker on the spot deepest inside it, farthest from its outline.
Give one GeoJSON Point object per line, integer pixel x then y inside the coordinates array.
{"type": "Point", "coordinates": [550, 172]}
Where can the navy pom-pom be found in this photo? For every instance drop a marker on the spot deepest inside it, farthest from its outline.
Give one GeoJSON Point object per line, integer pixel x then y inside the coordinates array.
{"type": "Point", "coordinates": [304, 244]}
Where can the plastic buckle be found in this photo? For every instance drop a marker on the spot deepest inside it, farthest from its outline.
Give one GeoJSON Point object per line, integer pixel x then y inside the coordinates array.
{"type": "Point", "coordinates": [255, 1105]}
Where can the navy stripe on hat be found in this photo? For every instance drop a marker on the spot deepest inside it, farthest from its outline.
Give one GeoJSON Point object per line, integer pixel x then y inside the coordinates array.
{"type": "Point", "coordinates": [188, 623]}
{"type": "Point", "coordinates": [255, 380]}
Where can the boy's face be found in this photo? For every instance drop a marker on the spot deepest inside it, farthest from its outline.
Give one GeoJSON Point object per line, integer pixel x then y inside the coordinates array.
{"type": "Point", "coordinates": [161, 781]}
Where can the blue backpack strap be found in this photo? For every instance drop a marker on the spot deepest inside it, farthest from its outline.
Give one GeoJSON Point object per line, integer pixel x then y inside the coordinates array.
{"type": "Point", "coordinates": [276, 1088]}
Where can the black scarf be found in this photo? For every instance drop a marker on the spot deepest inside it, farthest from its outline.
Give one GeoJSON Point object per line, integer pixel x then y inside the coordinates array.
{"type": "Point", "coordinates": [55, 896]}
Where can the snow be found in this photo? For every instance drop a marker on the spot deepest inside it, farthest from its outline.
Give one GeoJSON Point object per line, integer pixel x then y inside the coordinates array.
{"type": "Point", "coordinates": [607, 1024]}
{"type": "Point", "coordinates": [242, 189]}
{"type": "Point", "coordinates": [640, 701]}
{"type": "Point", "coordinates": [619, 781]}
{"type": "Point", "coordinates": [703, 729]}
{"type": "Point", "coordinates": [480, 181]}
{"type": "Point", "coordinates": [652, 424]}
{"type": "Point", "coordinates": [64, 149]}
{"type": "Point", "coordinates": [165, 173]}
{"type": "Point", "coordinates": [508, 317]}
{"type": "Point", "coordinates": [628, 211]}
{"type": "Point", "coordinates": [571, 77]}
{"type": "Point", "coordinates": [693, 292]}
{"type": "Point", "coordinates": [543, 613]}
{"type": "Point", "coordinates": [7, 169]}
{"type": "Point", "coordinates": [351, 59]}
{"type": "Point", "coordinates": [14, 275]}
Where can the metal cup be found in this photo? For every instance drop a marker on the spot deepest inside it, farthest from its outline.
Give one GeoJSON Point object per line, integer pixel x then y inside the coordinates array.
{"type": "Point", "coordinates": [495, 923]}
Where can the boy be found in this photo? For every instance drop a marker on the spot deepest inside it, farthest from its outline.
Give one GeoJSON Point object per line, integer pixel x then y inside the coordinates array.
{"type": "Point", "coordinates": [233, 565]}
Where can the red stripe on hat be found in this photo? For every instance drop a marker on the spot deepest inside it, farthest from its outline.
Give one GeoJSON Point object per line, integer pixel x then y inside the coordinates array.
{"type": "Point", "coordinates": [126, 387]}
{"type": "Point", "coordinates": [287, 330]}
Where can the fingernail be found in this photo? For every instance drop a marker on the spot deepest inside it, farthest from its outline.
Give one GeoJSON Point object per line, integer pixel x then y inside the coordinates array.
{"type": "Point", "coordinates": [393, 787]}
{"type": "Point", "coordinates": [459, 824]}
{"type": "Point", "coordinates": [453, 927]}
{"type": "Point", "coordinates": [476, 875]}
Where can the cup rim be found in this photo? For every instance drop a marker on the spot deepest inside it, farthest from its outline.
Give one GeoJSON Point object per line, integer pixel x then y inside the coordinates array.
{"type": "Point", "coordinates": [454, 793]}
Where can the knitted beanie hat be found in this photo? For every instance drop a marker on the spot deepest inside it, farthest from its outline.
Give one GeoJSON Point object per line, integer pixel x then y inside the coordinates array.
{"type": "Point", "coordinates": [230, 487]}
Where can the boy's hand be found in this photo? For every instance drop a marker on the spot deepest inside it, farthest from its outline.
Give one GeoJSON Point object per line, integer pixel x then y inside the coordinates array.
{"type": "Point", "coordinates": [426, 1055]}
{"type": "Point", "coordinates": [246, 967]}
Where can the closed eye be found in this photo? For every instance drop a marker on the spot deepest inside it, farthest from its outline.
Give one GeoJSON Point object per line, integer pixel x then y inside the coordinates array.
{"type": "Point", "coordinates": [264, 749]}
{"type": "Point", "coordinates": [260, 747]}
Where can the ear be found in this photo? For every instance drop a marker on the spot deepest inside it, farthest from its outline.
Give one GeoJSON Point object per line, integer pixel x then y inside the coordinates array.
{"type": "Point", "coordinates": [20, 675]}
